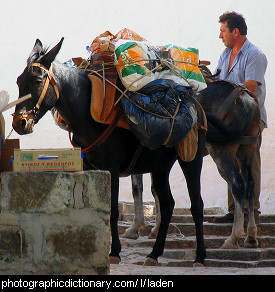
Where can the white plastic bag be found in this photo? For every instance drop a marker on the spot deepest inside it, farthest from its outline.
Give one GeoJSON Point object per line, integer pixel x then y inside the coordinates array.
{"type": "Point", "coordinates": [4, 99]}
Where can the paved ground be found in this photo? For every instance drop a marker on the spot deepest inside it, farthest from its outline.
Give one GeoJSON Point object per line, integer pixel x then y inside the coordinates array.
{"type": "Point", "coordinates": [130, 269]}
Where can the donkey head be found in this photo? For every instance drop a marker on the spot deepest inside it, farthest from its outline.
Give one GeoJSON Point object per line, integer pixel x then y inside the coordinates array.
{"type": "Point", "coordinates": [38, 81]}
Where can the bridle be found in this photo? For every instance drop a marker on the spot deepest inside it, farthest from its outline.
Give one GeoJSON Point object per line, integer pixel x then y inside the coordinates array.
{"type": "Point", "coordinates": [49, 79]}
{"type": "Point", "coordinates": [46, 83]}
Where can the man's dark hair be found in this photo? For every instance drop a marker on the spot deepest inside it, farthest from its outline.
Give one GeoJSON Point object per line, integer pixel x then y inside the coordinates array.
{"type": "Point", "coordinates": [234, 20]}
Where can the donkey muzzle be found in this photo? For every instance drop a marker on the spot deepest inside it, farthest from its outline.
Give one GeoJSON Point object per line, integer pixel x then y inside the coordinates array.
{"type": "Point", "coordinates": [23, 122]}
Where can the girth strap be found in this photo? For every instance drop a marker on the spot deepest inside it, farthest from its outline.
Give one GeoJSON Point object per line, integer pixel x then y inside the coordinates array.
{"type": "Point", "coordinates": [133, 162]}
{"type": "Point", "coordinates": [248, 140]}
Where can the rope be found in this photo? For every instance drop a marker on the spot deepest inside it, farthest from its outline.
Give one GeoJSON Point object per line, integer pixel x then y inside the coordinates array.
{"type": "Point", "coordinates": [163, 62]}
{"type": "Point", "coordinates": [9, 134]}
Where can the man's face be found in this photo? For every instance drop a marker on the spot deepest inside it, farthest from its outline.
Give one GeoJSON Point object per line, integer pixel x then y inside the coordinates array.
{"type": "Point", "coordinates": [227, 36]}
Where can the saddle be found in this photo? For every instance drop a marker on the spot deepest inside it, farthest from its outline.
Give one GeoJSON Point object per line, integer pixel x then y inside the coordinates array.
{"type": "Point", "coordinates": [102, 103]}
{"type": "Point", "coordinates": [103, 76]}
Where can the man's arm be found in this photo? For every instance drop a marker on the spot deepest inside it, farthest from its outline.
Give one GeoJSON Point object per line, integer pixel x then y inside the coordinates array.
{"type": "Point", "coordinates": [255, 69]}
{"type": "Point", "coordinates": [251, 85]}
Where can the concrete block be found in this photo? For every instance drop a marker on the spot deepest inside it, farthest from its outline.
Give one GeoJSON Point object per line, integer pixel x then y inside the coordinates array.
{"type": "Point", "coordinates": [55, 223]}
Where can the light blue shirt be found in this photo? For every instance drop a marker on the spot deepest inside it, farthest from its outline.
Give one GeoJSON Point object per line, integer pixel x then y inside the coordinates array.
{"type": "Point", "coordinates": [249, 64]}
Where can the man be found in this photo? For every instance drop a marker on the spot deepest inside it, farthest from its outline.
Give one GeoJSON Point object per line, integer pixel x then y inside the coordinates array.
{"type": "Point", "coordinates": [242, 62]}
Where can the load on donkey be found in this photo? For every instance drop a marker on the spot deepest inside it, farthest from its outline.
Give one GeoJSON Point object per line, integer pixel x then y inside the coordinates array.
{"type": "Point", "coordinates": [156, 85]}
{"type": "Point", "coordinates": [116, 149]}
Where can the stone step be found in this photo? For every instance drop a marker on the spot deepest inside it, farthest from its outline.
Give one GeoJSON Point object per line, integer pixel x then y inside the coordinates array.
{"type": "Point", "coordinates": [176, 242]}
{"type": "Point", "coordinates": [149, 209]}
{"type": "Point", "coordinates": [127, 209]}
{"type": "Point", "coordinates": [236, 255]}
{"type": "Point", "coordinates": [180, 244]}
{"type": "Point", "coordinates": [241, 258]}
{"type": "Point", "coordinates": [188, 229]}
{"type": "Point", "coordinates": [266, 218]}
{"type": "Point", "coordinates": [221, 263]}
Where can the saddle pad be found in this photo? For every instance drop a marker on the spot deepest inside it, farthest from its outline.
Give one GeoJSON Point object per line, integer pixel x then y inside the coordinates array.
{"type": "Point", "coordinates": [101, 108]}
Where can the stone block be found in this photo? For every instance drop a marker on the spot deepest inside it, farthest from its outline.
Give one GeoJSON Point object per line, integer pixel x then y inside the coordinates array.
{"type": "Point", "coordinates": [55, 223]}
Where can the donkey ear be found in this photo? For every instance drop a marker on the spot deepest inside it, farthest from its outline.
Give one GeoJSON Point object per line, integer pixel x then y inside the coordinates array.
{"type": "Point", "coordinates": [37, 47]}
{"type": "Point", "coordinates": [47, 59]}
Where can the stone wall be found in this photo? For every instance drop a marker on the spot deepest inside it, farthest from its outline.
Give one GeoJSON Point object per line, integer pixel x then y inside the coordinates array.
{"type": "Point", "coordinates": [55, 223]}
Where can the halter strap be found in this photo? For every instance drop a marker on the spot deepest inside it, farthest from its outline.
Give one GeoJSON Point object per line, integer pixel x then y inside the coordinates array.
{"type": "Point", "coordinates": [46, 84]}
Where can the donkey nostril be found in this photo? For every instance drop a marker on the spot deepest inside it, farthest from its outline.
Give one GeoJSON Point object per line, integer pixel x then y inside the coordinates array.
{"type": "Point", "coordinates": [23, 123]}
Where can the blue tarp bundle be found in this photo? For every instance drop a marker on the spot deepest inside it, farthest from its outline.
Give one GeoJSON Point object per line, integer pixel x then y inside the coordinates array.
{"type": "Point", "coordinates": [150, 110]}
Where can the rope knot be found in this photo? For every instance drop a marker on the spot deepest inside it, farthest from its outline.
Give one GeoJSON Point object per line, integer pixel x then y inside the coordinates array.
{"type": "Point", "coordinates": [169, 63]}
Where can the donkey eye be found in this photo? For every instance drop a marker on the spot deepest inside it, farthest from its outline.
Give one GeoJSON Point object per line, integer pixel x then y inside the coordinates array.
{"type": "Point", "coordinates": [37, 81]}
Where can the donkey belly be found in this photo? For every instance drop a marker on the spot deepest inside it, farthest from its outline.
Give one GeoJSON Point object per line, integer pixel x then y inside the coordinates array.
{"type": "Point", "coordinates": [120, 154]}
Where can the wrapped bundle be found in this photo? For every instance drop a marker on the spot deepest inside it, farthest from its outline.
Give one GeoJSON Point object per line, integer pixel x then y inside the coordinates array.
{"type": "Point", "coordinates": [139, 63]}
{"type": "Point", "coordinates": [160, 113]}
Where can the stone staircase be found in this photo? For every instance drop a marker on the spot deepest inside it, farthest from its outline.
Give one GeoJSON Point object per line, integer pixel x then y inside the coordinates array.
{"type": "Point", "coordinates": [180, 244]}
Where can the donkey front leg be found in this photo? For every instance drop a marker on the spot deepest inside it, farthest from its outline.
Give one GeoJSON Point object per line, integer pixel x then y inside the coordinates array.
{"type": "Point", "coordinates": [161, 186]}
{"type": "Point", "coordinates": [115, 246]}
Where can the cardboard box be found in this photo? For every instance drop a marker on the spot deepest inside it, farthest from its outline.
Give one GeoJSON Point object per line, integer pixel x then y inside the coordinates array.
{"type": "Point", "coordinates": [47, 160]}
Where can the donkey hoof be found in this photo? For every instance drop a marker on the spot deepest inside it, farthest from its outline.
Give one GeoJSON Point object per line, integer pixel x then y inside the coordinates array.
{"type": "Point", "coordinates": [152, 235]}
{"type": "Point", "coordinates": [143, 230]}
{"type": "Point", "coordinates": [198, 265]}
{"type": "Point", "coordinates": [130, 234]}
{"type": "Point", "coordinates": [114, 260]}
{"type": "Point", "coordinates": [228, 244]}
{"type": "Point", "coordinates": [150, 262]}
{"type": "Point", "coordinates": [251, 243]}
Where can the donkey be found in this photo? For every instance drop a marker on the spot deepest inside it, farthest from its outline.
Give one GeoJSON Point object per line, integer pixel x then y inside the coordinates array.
{"type": "Point", "coordinates": [233, 157]}
{"type": "Point", "coordinates": [53, 84]}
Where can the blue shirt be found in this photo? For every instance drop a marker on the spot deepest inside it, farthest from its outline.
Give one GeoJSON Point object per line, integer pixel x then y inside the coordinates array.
{"type": "Point", "coordinates": [249, 64]}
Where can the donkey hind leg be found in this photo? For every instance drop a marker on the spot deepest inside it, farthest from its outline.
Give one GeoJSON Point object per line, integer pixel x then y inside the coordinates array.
{"type": "Point", "coordinates": [138, 224]}
{"type": "Point", "coordinates": [161, 186]}
{"type": "Point", "coordinates": [155, 229]}
{"type": "Point", "coordinates": [115, 245]}
{"type": "Point", "coordinates": [251, 239]}
{"type": "Point", "coordinates": [192, 173]}
{"type": "Point", "coordinates": [229, 170]}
